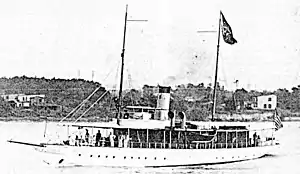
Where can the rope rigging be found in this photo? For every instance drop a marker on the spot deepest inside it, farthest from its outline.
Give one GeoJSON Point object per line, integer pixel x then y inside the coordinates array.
{"type": "Point", "coordinates": [130, 87]}
{"type": "Point", "coordinates": [79, 107]}
{"type": "Point", "coordinates": [91, 106]}
{"type": "Point", "coordinates": [114, 89]}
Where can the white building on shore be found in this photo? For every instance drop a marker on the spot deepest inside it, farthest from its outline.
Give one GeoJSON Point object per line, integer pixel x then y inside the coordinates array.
{"type": "Point", "coordinates": [266, 102]}
{"type": "Point", "coordinates": [23, 100]}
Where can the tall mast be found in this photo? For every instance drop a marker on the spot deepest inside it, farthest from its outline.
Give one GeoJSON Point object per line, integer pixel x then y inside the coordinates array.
{"type": "Point", "coordinates": [122, 69]}
{"type": "Point", "coordinates": [216, 75]}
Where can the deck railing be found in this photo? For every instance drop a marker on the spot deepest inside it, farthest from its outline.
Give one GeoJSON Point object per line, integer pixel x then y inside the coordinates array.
{"type": "Point", "coordinates": [205, 145]}
{"type": "Point", "coordinates": [190, 145]}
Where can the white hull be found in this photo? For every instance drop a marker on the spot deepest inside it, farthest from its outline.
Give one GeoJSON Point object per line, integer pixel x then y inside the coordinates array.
{"type": "Point", "coordinates": [140, 157]}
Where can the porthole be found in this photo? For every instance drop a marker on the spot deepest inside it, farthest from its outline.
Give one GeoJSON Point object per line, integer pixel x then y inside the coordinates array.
{"type": "Point", "coordinates": [98, 156]}
{"type": "Point", "coordinates": [222, 157]}
{"type": "Point", "coordinates": [132, 157]}
{"type": "Point", "coordinates": [145, 157]}
{"type": "Point", "coordinates": [113, 156]}
{"type": "Point", "coordinates": [216, 157]}
{"type": "Point", "coordinates": [139, 157]}
{"type": "Point", "coordinates": [60, 161]}
{"type": "Point", "coordinates": [79, 154]}
{"type": "Point", "coordinates": [154, 158]}
{"type": "Point", "coordinates": [124, 157]}
{"type": "Point", "coordinates": [91, 155]}
{"type": "Point", "coordinates": [106, 156]}
{"type": "Point", "coordinates": [233, 157]}
{"type": "Point", "coordinates": [165, 158]}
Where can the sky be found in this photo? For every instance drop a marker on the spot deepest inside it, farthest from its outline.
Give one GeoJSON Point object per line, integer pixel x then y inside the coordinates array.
{"type": "Point", "coordinates": [72, 38]}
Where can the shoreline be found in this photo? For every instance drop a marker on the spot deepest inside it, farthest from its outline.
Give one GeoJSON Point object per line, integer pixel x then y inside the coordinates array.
{"type": "Point", "coordinates": [49, 119]}
{"type": "Point", "coordinates": [89, 120]}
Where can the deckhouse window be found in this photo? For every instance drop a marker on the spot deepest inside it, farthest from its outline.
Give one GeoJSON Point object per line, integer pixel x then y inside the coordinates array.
{"type": "Point", "coordinates": [270, 99]}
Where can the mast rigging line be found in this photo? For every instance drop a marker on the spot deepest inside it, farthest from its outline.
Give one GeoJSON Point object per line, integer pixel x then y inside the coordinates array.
{"type": "Point", "coordinates": [91, 106]}
{"type": "Point", "coordinates": [111, 70]}
{"type": "Point", "coordinates": [130, 86]}
{"type": "Point", "coordinates": [78, 107]}
{"type": "Point", "coordinates": [116, 77]}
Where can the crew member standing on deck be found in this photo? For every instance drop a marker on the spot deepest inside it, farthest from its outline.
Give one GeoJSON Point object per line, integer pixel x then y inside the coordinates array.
{"type": "Point", "coordinates": [98, 137]}
{"type": "Point", "coordinates": [120, 140]}
{"type": "Point", "coordinates": [111, 139]}
{"type": "Point", "coordinates": [258, 140]}
{"type": "Point", "coordinates": [87, 136]}
{"type": "Point", "coordinates": [254, 139]}
{"type": "Point", "coordinates": [126, 140]}
{"type": "Point", "coordinates": [78, 137]}
{"type": "Point", "coordinates": [81, 135]}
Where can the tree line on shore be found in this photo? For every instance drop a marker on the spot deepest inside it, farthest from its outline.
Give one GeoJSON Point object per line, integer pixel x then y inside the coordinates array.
{"type": "Point", "coordinates": [194, 100]}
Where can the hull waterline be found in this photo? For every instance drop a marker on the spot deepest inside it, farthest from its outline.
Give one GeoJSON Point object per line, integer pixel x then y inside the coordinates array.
{"type": "Point", "coordinates": [139, 157]}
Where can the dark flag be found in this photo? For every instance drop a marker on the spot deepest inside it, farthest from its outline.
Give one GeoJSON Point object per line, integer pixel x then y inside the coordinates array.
{"type": "Point", "coordinates": [227, 32]}
{"type": "Point", "coordinates": [277, 121]}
